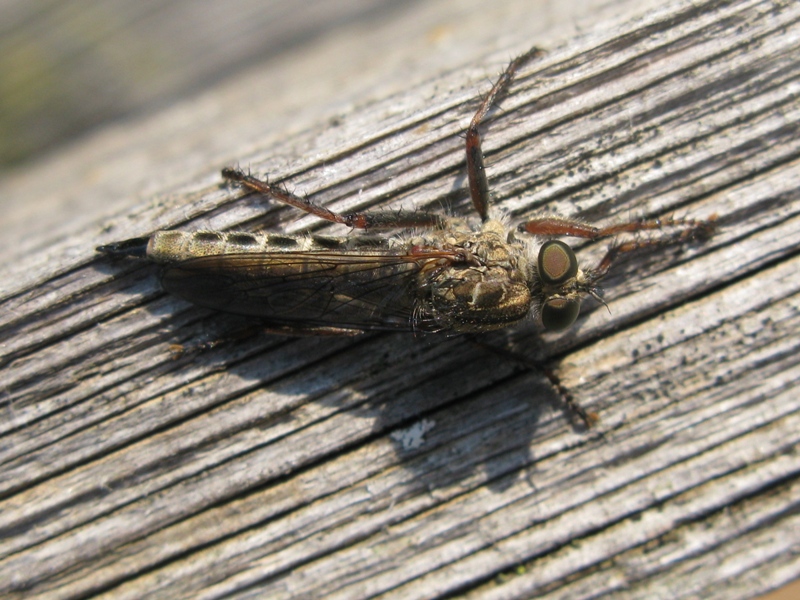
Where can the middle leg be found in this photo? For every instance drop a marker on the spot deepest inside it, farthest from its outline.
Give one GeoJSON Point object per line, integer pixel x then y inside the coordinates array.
{"type": "Point", "coordinates": [476, 172]}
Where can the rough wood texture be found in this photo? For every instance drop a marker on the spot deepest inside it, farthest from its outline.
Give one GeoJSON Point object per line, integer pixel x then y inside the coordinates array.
{"type": "Point", "coordinates": [350, 468]}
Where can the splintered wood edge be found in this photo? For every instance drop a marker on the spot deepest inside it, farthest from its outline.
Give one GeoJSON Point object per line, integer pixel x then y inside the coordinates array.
{"type": "Point", "coordinates": [418, 468]}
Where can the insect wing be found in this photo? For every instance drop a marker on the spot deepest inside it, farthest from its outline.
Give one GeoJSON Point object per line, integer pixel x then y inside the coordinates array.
{"type": "Point", "coordinates": [304, 291]}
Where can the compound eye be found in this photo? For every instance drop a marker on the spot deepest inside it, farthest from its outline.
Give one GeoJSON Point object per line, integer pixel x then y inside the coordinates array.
{"type": "Point", "coordinates": [559, 313]}
{"type": "Point", "coordinates": [557, 262]}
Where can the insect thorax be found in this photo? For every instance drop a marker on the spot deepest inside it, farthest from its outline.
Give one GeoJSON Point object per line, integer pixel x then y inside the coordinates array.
{"type": "Point", "coordinates": [489, 289]}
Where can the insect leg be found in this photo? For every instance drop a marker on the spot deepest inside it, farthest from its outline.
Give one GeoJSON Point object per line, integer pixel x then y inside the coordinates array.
{"type": "Point", "coordinates": [588, 418]}
{"type": "Point", "coordinates": [357, 220]}
{"type": "Point", "coordinates": [617, 250]}
{"type": "Point", "coordinates": [682, 230]}
{"type": "Point", "coordinates": [476, 172]}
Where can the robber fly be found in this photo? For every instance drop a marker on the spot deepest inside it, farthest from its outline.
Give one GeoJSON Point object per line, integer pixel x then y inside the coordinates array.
{"type": "Point", "coordinates": [443, 276]}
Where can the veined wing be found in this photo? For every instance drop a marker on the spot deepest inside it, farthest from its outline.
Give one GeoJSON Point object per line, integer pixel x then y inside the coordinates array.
{"type": "Point", "coordinates": [338, 292]}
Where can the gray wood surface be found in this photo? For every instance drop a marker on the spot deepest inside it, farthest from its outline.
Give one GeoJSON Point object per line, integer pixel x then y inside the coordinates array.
{"type": "Point", "coordinates": [424, 467]}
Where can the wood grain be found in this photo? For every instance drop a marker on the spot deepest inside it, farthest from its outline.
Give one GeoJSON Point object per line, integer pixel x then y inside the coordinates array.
{"type": "Point", "coordinates": [426, 467]}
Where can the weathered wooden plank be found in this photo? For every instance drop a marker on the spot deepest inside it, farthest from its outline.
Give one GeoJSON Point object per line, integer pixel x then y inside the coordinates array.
{"type": "Point", "coordinates": [422, 467]}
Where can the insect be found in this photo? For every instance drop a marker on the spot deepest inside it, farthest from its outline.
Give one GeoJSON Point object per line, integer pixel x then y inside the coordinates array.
{"type": "Point", "coordinates": [443, 275]}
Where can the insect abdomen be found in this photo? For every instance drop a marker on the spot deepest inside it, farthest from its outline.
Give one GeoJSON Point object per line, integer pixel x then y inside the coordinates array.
{"type": "Point", "coordinates": [175, 246]}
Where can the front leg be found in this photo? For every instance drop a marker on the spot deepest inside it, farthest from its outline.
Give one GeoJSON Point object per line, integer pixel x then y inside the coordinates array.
{"type": "Point", "coordinates": [680, 230]}
{"type": "Point", "coordinates": [683, 229]}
